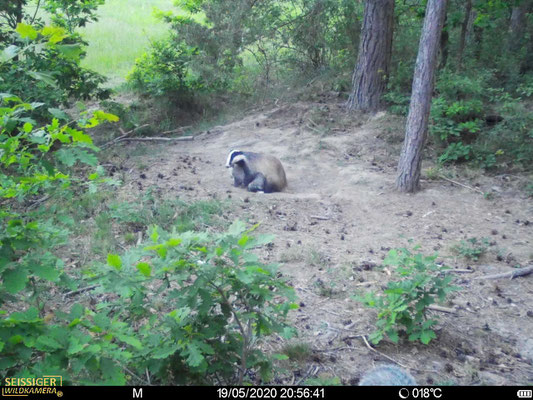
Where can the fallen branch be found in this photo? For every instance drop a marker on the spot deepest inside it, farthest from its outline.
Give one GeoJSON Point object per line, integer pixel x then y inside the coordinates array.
{"type": "Point", "coordinates": [156, 138]}
{"type": "Point", "coordinates": [85, 289]}
{"type": "Point", "coordinates": [319, 217]}
{"type": "Point", "coordinates": [459, 271]}
{"type": "Point", "coordinates": [436, 307]}
{"type": "Point", "coordinates": [381, 354]}
{"type": "Point", "coordinates": [38, 201]}
{"type": "Point", "coordinates": [124, 135]}
{"type": "Point", "coordinates": [313, 129]}
{"type": "Point", "coordinates": [510, 274]}
{"type": "Point", "coordinates": [461, 184]}
{"type": "Point", "coordinates": [365, 283]}
{"type": "Point", "coordinates": [180, 129]}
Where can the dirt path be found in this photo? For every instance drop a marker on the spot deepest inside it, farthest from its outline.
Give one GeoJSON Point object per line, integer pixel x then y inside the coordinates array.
{"type": "Point", "coordinates": [337, 221]}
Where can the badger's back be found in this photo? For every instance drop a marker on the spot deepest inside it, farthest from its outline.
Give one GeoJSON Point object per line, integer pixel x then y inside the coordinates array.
{"type": "Point", "coordinates": [387, 375]}
{"type": "Point", "coordinates": [271, 168]}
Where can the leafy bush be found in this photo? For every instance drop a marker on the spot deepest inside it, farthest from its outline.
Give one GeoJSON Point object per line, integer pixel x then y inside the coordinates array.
{"type": "Point", "coordinates": [456, 152]}
{"type": "Point", "coordinates": [73, 14]}
{"type": "Point", "coordinates": [239, 46]}
{"type": "Point", "coordinates": [460, 126]}
{"type": "Point", "coordinates": [35, 162]}
{"type": "Point", "coordinates": [211, 300]}
{"type": "Point", "coordinates": [43, 64]}
{"type": "Point", "coordinates": [473, 248]}
{"type": "Point", "coordinates": [511, 140]}
{"type": "Point", "coordinates": [189, 308]}
{"type": "Point", "coordinates": [403, 305]}
{"type": "Point", "coordinates": [164, 71]}
{"type": "Point", "coordinates": [458, 112]}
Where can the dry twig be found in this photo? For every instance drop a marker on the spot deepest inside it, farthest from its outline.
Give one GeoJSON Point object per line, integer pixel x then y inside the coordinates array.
{"type": "Point", "coordinates": [436, 307]}
{"type": "Point", "coordinates": [461, 184]}
{"type": "Point", "coordinates": [381, 354]}
{"type": "Point", "coordinates": [511, 274]}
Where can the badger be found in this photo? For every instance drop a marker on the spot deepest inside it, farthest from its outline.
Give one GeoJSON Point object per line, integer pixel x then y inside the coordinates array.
{"type": "Point", "coordinates": [387, 375]}
{"type": "Point", "coordinates": [257, 172]}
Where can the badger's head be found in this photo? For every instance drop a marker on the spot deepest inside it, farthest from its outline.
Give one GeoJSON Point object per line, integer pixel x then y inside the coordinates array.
{"type": "Point", "coordinates": [234, 157]}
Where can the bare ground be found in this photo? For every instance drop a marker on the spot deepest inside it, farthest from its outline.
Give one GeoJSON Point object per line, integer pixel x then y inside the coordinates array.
{"type": "Point", "coordinates": [338, 219]}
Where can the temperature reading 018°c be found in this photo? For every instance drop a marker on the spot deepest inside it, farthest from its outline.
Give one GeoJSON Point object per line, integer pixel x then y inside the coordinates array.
{"type": "Point", "coordinates": [420, 393]}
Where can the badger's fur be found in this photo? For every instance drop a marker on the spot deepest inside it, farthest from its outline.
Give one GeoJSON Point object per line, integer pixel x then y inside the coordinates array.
{"type": "Point", "coordinates": [257, 172]}
{"type": "Point", "coordinates": [387, 375]}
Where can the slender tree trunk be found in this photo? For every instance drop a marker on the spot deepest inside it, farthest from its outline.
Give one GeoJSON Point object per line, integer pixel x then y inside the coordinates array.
{"type": "Point", "coordinates": [408, 179]}
{"type": "Point", "coordinates": [444, 44]}
{"type": "Point", "coordinates": [527, 62]}
{"type": "Point", "coordinates": [478, 41]}
{"type": "Point", "coordinates": [464, 32]}
{"type": "Point", "coordinates": [373, 61]}
{"type": "Point", "coordinates": [517, 27]}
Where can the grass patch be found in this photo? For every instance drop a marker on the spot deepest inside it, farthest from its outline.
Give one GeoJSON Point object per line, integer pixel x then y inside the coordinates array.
{"type": "Point", "coordinates": [297, 351]}
{"type": "Point", "coordinates": [123, 32]}
{"type": "Point", "coordinates": [472, 249]}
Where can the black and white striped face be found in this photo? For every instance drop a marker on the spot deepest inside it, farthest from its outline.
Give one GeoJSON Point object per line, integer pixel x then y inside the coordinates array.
{"type": "Point", "coordinates": [234, 157]}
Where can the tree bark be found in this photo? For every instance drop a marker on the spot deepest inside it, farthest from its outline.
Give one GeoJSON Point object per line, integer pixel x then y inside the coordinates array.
{"type": "Point", "coordinates": [444, 43]}
{"type": "Point", "coordinates": [373, 61]}
{"type": "Point", "coordinates": [527, 61]}
{"type": "Point", "coordinates": [464, 32]}
{"type": "Point", "coordinates": [408, 179]}
{"type": "Point", "coordinates": [517, 27]}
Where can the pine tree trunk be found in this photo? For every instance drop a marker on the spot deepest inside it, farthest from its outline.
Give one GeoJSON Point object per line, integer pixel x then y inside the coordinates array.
{"type": "Point", "coordinates": [408, 179]}
{"type": "Point", "coordinates": [444, 44]}
{"type": "Point", "coordinates": [517, 27]}
{"type": "Point", "coordinates": [373, 61]}
{"type": "Point", "coordinates": [464, 32]}
{"type": "Point", "coordinates": [527, 62]}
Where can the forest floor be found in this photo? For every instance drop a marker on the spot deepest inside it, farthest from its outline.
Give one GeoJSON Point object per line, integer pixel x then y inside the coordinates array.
{"type": "Point", "coordinates": [337, 220]}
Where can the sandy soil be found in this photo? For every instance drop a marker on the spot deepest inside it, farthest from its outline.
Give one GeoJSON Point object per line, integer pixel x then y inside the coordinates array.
{"type": "Point", "coordinates": [338, 219]}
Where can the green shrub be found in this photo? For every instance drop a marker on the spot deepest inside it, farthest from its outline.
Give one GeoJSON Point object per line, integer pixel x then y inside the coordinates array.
{"type": "Point", "coordinates": [43, 64]}
{"type": "Point", "coordinates": [189, 308]}
{"type": "Point", "coordinates": [511, 140]}
{"type": "Point", "coordinates": [35, 161]}
{"type": "Point", "coordinates": [164, 71]}
{"type": "Point", "coordinates": [199, 302]}
{"type": "Point", "coordinates": [403, 305]}
{"type": "Point", "coordinates": [473, 248]}
{"type": "Point", "coordinates": [459, 127]}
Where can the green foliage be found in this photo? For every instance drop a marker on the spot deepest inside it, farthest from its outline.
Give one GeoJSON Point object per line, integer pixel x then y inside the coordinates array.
{"type": "Point", "coordinates": [199, 302]}
{"type": "Point", "coordinates": [323, 381]}
{"type": "Point", "coordinates": [239, 46]}
{"type": "Point", "coordinates": [457, 113]}
{"type": "Point", "coordinates": [32, 165]}
{"type": "Point", "coordinates": [73, 14]}
{"type": "Point", "coordinates": [529, 189]}
{"type": "Point", "coordinates": [43, 64]}
{"type": "Point", "coordinates": [473, 248]}
{"type": "Point", "coordinates": [403, 305]}
{"type": "Point", "coordinates": [458, 122]}
{"type": "Point", "coordinates": [164, 71]}
{"type": "Point", "coordinates": [188, 308]}
{"type": "Point", "coordinates": [511, 141]}
{"type": "Point", "coordinates": [82, 345]}
{"type": "Point", "coordinates": [456, 152]}
{"type": "Point", "coordinates": [297, 351]}
{"type": "Point", "coordinates": [525, 88]}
